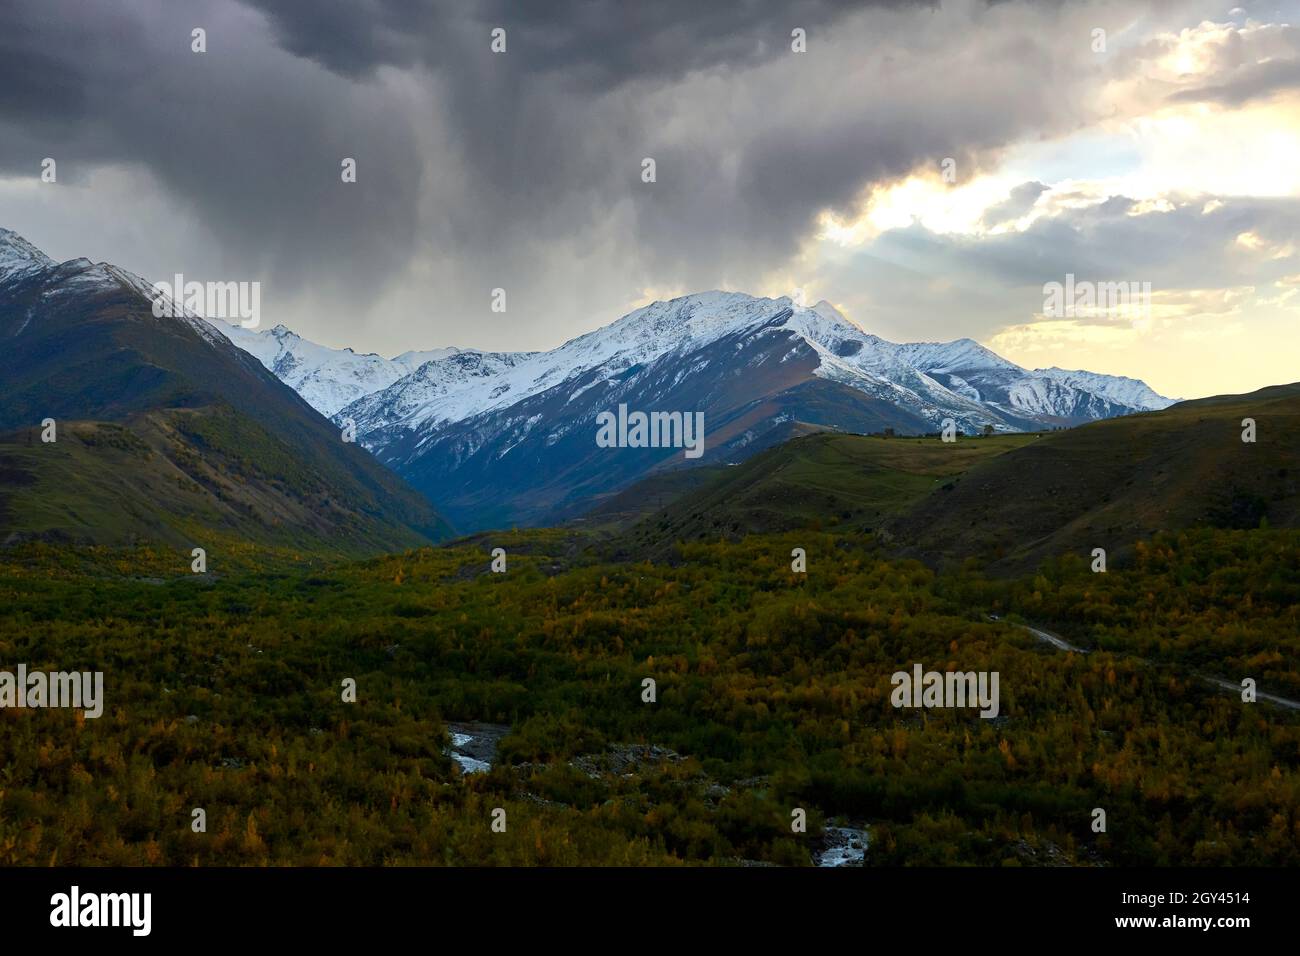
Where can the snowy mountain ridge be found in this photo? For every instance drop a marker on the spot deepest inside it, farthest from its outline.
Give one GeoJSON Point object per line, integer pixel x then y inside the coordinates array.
{"type": "Point", "coordinates": [508, 436]}
{"type": "Point", "coordinates": [425, 389]}
{"type": "Point", "coordinates": [326, 378]}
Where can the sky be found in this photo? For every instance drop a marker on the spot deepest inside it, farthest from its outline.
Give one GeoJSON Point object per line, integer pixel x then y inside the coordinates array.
{"type": "Point", "coordinates": [925, 167]}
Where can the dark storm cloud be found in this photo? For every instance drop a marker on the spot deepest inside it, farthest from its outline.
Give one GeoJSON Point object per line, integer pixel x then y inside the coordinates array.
{"type": "Point", "coordinates": [594, 43]}
{"type": "Point", "coordinates": [246, 140]}
{"type": "Point", "coordinates": [36, 81]}
{"type": "Point", "coordinates": [522, 170]}
{"type": "Point", "coordinates": [555, 130]}
{"type": "Point", "coordinates": [466, 158]}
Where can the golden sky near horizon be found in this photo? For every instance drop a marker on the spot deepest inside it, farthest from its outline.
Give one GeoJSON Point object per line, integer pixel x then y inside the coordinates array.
{"type": "Point", "coordinates": [1177, 154]}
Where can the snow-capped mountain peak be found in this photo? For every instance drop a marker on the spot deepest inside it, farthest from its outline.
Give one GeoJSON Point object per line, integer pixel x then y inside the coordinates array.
{"type": "Point", "coordinates": [953, 356]}
{"type": "Point", "coordinates": [419, 390]}
{"type": "Point", "coordinates": [19, 257]}
{"type": "Point", "coordinates": [22, 262]}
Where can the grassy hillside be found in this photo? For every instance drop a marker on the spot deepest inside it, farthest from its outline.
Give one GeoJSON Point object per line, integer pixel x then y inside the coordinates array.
{"type": "Point", "coordinates": [820, 482]}
{"type": "Point", "coordinates": [1111, 483]}
{"type": "Point", "coordinates": [183, 478]}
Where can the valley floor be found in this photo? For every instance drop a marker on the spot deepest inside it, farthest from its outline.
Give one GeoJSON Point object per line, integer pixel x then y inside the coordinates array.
{"type": "Point", "coordinates": [525, 692]}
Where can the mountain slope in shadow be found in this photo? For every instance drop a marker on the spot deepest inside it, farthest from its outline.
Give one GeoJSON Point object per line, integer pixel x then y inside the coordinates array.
{"type": "Point", "coordinates": [1111, 483]}
{"type": "Point", "coordinates": [167, 432]}
{"type": "Point", "coordinates": [824, 481]}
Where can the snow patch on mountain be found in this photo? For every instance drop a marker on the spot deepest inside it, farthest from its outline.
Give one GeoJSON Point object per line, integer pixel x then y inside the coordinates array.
{"type": "Point", "coordinates": [882, 369]}
{"type": "Point", "coordinates": [18, 257]}
{"type": "Point", "coordinates": [326, 378]}
{"type": "Point", "coordinates": [1118, 388]}
{"type": "Point", "coordinates": [446, 389]}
